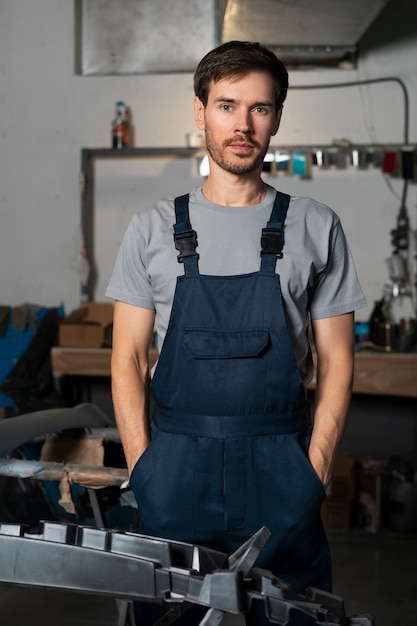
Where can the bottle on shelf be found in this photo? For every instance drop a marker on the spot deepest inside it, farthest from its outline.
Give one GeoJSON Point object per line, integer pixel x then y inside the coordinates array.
{"type": "Point", "coordinates": [120, 127]}
{"type": "Point", "coordinates": [402, 315]}
{"type": "Point", "coordinates": [376, 323]}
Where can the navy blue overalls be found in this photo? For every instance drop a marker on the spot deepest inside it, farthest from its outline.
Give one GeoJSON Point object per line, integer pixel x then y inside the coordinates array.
{"type": "Point", "coordinates": [231, 424]}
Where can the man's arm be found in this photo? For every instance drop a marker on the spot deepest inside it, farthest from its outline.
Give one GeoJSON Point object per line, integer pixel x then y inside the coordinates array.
{"type": "Point", "coordinates": [132, 335]}
{"type": "Point", "coordinates": [334, 339]}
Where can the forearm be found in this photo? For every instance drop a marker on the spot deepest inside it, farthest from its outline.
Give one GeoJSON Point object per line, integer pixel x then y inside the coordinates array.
{"type": "Point", "coordinates": [132, 332]}
{"type": "Point", "coordinates": [333, 396]}
{"type": "Point", "coordinates": [130, 392]}
{"type": "Point", "coordinates": [330, 417]}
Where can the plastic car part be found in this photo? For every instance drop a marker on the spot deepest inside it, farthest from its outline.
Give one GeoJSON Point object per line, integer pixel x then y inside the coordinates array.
{"type": "Point", "coordinates": [136, 567]}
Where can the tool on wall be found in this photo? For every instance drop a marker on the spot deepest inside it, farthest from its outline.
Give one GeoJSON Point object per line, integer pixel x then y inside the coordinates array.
{"type": "Point", "coordinates": [400, 294]}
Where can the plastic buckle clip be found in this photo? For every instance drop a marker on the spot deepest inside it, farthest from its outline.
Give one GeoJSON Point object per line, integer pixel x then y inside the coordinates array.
{"type": "Point", "coordinates": [272, 241]}
{"type": "Point", "coordinates": [186, 243]}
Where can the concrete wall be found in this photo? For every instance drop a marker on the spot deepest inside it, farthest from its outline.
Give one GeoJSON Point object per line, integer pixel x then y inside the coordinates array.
{"type": "Point", "coordinates": [48, 113]}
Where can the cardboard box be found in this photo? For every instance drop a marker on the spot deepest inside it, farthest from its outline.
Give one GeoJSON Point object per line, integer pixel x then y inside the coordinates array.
{"type": "Point", "coordinates": [338, 510]}
{"type": "Point", "coordinates": [86, 326]}
{"type": "Point", "coordinates": [337, 517]}
{"type": "Point", "coordinates": [343, 486]}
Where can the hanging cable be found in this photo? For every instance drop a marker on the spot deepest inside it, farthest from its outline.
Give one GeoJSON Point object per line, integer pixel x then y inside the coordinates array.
{"type": "Point", "coordinates": [400, 234]}
{"type": "Point", "coordinates": [369, 81]}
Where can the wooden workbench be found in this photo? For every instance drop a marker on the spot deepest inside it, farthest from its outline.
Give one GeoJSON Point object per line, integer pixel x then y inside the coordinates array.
{"type": "Point", "coordinates": [86, 361]}
{"type": "Point", "coordinates": [376, 373]}
{"type": "Point", "coordinates": [383, 374]}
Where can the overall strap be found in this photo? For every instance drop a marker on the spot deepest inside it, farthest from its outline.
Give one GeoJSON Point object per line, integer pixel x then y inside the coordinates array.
{"type": "Point", "coordinates": [185, 238]}
{"type": "Point", "coordinates": [272, 240]}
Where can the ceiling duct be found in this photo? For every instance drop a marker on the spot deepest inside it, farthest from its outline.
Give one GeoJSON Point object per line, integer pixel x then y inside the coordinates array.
{"type": "Point", "coordinates": [147, 37]}
{"type": "Point", "coordinates": [303, 32]}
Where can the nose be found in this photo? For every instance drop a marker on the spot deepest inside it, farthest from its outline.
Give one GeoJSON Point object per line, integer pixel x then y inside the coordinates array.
{"type": "Point", "coordinates": [243, 122]}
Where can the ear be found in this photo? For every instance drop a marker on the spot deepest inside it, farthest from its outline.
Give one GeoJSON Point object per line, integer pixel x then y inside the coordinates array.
{"type": "Point", "coordinates": [277, 122]}
{"type": "Point", "coordinates": [199, 113]}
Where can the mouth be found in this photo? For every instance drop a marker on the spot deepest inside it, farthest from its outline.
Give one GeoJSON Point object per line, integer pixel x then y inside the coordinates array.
{"type": "Point", "coordinates": [242, 144]}
{"type": "Point", "coordinates": [242, 147]}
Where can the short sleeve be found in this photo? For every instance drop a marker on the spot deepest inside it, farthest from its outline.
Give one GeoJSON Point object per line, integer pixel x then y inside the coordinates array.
{"type": "Point", "coordinates": [129, 281]}
{"type": "Point", "coordinates": [336, 288]}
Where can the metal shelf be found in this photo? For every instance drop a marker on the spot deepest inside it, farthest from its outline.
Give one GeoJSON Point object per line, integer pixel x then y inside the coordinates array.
{"type": "Point", "coordinates": [113, 153]}
{"type": "Point", "coordinates": [88, 155]}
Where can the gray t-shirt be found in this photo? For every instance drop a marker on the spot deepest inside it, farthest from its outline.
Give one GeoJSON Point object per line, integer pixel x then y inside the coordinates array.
{"type": "Point", "coordinates": [318, 277]}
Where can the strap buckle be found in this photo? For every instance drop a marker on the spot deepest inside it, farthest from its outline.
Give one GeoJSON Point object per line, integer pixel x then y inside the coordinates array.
{"type": "Point", "coordinates": [272, 241]}
{"type": "Point", "coordinates": [186, 243]}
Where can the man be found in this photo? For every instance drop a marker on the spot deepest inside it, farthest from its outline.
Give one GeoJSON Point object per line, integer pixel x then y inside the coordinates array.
{"type": "Point", "coordinates": [230, 446]}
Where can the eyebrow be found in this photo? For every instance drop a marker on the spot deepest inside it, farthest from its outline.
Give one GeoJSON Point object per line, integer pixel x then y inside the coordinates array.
{"type": "Point", "coordinates": [234, 101]}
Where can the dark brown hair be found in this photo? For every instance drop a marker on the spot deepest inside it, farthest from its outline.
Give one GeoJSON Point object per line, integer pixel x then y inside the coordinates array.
{"type": "Point", "coordinates": [238, 58]}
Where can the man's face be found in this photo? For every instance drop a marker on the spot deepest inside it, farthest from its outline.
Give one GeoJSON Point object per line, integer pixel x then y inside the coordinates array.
{"type": "Point", "coordinates": [238, 121]}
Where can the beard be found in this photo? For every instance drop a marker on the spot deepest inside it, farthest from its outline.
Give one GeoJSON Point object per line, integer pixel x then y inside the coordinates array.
{"type": "Point", "coordinates": [240, 164]}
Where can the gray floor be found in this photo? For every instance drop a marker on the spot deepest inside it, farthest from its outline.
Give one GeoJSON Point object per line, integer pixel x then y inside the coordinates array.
{"type": "Point", "coordinates": [373, 573]}
{"type": "Point", "coordinates": [377, 574]}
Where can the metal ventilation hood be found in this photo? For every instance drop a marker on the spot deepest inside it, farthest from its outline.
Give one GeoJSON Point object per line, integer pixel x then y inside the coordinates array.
{"type": "Point", "coordinates": [144, 36]}
{"type": "Point", "coordinates": [303, 32]}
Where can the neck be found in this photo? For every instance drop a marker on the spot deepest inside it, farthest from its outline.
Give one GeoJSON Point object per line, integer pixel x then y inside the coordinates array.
{"type": "Point", "coordinates": [238, 192]}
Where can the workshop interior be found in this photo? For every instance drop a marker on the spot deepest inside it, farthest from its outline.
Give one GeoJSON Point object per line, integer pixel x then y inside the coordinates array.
{"type": "Point", "coordinates": [97, 121]}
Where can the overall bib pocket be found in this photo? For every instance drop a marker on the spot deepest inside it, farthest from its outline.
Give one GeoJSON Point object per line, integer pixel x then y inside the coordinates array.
{"type": "Point", "coordinates": [210, 343]}
{"type": "Point", "coordinates": [227, 369]}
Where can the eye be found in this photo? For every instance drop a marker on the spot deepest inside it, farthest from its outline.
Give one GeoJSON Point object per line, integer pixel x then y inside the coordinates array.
{"type": "Point", "coordinates": [226, 107]}
{"type": "Point", "coordinates": [262, 110]}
